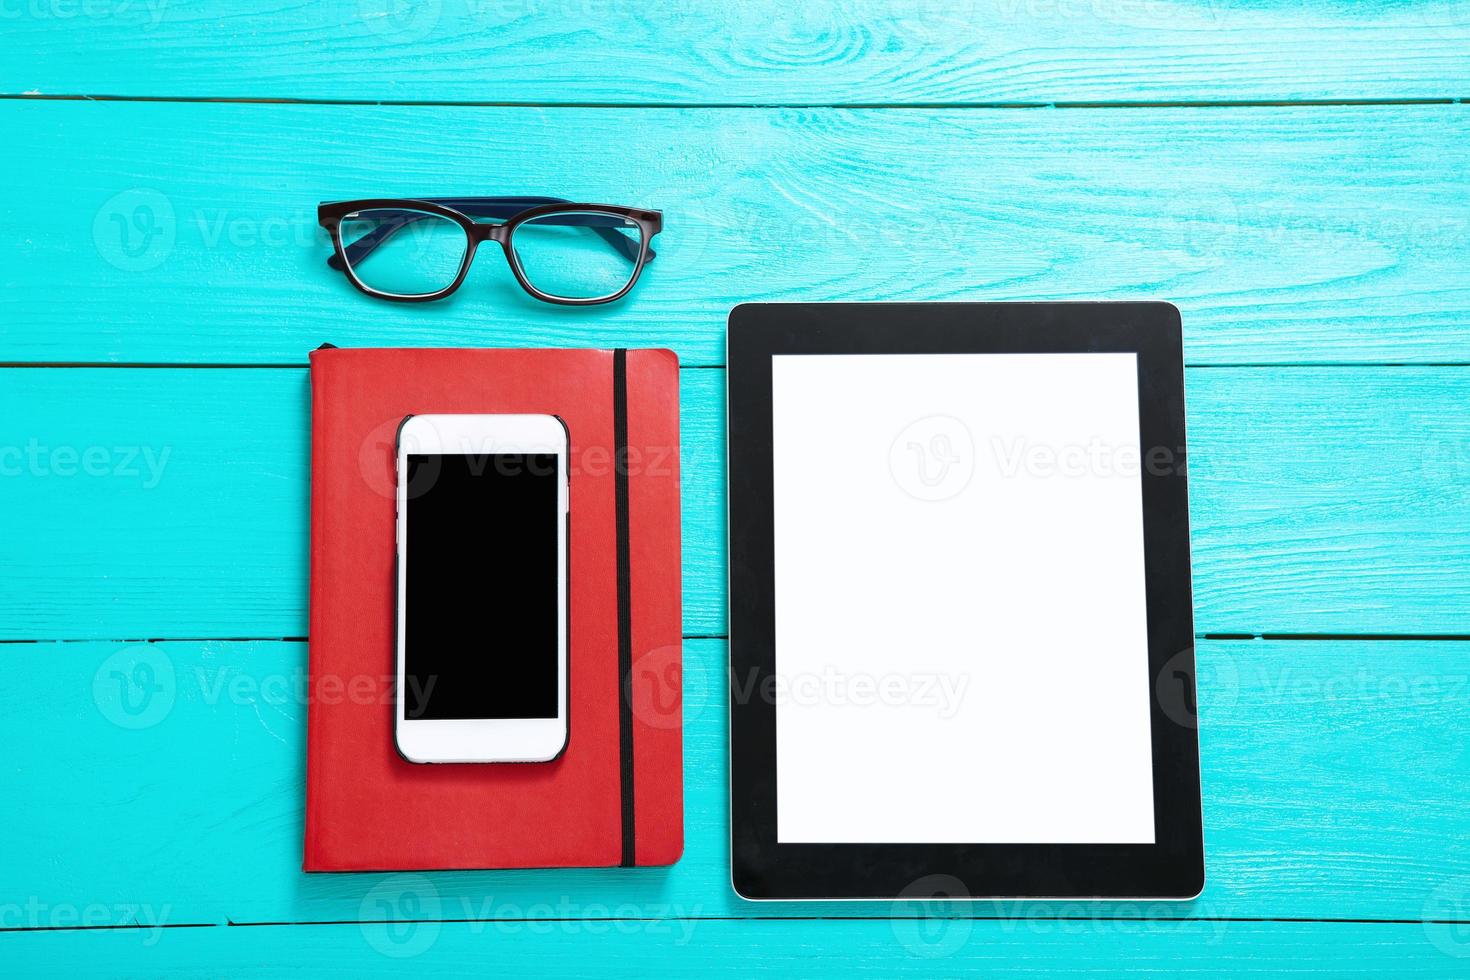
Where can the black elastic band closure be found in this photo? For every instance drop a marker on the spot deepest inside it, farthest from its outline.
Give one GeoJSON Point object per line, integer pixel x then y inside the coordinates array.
{"type": "Point", "coordinates": [625, 602]}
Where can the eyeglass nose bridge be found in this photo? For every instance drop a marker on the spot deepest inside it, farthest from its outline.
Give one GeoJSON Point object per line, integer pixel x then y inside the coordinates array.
{"type": "Point", "coordinates": [500, 234]}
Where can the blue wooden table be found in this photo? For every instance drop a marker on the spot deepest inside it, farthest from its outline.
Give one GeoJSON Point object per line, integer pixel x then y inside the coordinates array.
{"type": "Point", "coordinates": [1293, 175]}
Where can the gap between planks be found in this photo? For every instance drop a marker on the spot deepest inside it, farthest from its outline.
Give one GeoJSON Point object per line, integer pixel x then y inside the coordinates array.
{"type": "Point", "coordinates": [229, 924]}
{"type": "Point", "coordinates": [725, 637]}
{"type": "Point", "coordinates": [302, 366]}
{"type": "Point", "coordinates": [242, 639]}
{"type": "Point", "coordinates": [470, 103]}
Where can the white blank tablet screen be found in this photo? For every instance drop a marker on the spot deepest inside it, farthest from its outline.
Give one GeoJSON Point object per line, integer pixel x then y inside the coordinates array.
{"type": "Point", "coordinates": [961, 632]}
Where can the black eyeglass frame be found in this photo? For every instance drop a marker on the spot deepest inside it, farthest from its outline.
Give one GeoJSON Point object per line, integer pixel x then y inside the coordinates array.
{"type": "Point", "coordinates": [515, 211]}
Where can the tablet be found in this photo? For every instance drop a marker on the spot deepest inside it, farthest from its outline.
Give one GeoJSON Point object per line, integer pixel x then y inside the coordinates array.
{"type": "Point", "coordinates": [961, 634]}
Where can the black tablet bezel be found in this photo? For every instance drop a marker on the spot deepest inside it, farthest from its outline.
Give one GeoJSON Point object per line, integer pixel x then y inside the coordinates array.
{"type": "Point", "coordinates": [1170, 868]}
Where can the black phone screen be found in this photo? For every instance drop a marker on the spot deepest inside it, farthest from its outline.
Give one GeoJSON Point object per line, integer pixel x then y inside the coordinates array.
{"type": "Point", "coordinates": [481, 595]}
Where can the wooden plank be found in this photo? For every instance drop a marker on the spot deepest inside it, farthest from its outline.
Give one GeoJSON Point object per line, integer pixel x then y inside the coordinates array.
{"type": "Point", "coordinates": [188, 234]}
{"type": "Point", "coordinates": [636, 950]}
{"type": "Point", "coordinates": [1336, 785]}
{"type": "Point", "coordinates": [173, 502]}
{"type": "Point", "coordinates": [1330, 501]}
{"type": "Point", "coordinates": [750, 52]}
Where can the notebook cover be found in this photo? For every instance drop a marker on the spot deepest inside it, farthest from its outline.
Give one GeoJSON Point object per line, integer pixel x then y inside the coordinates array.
{"type": "Point", "coordinates": [615, 796]}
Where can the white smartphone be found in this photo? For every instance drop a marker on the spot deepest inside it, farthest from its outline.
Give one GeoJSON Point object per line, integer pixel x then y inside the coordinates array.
{"type": "Point", "coordinates": [483, 508]}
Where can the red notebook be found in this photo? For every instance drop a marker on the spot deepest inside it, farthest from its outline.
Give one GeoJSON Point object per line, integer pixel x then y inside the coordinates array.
{"type": "Point", "coordinates": [615, 797]}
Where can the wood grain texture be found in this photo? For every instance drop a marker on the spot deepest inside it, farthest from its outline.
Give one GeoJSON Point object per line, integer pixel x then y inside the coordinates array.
{"type": "Point", "coordinates": [172, 503]}
{"type": "Point", "coordinates": [1025, 949]}
{"type": "Point", "coordinates": [1335, 774]}
{"type": "Point", "coordinates": [1330, 500]}
{"type": "Point", "coordinates": [766, 949]}
{"type": "Point", "coordinates": [758, 52]}
{"type": "Point", "coordinates": [1289, 234]}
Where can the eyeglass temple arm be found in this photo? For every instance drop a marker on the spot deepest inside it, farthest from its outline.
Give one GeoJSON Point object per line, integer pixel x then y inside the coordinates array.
{"type": "Point", "coordinates": [503, 208]}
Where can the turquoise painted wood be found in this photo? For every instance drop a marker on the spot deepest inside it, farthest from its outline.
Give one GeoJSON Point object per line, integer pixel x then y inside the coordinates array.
{"type": "Point", "coordinates": [878, 949]}
{"type": "Point", "coordinates": [1336, 778]}
{"type": "Point", "coordinates": [852, 151]}
{"type": "Point", "coordinates": [173, 502]}
{"type": "Point", "coordinates": [759, 52]}
{"type": "Point", "coordinates": [1285, 234]}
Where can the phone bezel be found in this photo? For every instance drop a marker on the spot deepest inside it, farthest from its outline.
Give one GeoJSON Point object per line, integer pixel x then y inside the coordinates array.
{"type": "Point", "coordinates": [480, 740]}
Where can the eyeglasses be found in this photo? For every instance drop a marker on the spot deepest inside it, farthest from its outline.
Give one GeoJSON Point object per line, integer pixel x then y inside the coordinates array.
{"type": "Point", "coordinates": [418, 249]}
